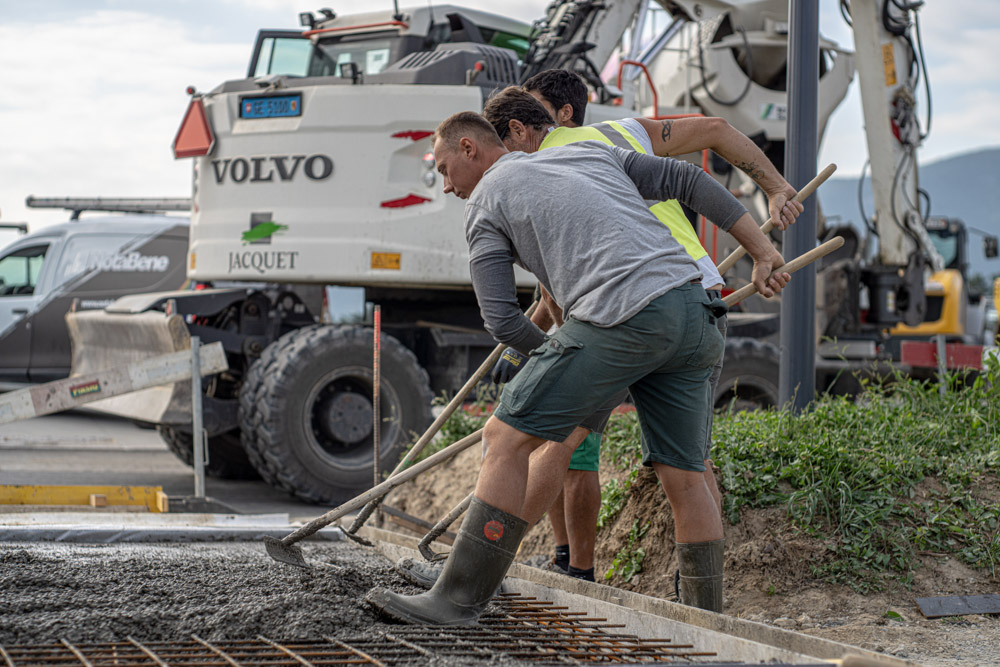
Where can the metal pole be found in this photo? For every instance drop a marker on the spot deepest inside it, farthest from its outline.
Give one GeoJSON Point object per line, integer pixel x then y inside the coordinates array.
{"type": "Point", "coordinates": [797, 377]}
{"type": "Point", "coordinates": [377, 404]}
{"type": "Point", "coordinates": [197, 432]}
{"type": "Point", "coordinates": [942, 359]}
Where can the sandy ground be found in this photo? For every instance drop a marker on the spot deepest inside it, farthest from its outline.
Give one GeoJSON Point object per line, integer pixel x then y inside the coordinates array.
{"type": "Point", "coordinates": [768, 576]}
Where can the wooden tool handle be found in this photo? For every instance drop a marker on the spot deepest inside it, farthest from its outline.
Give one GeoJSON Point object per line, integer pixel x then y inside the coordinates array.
{"type": "Point", "coordinates": [802, 195]}
{"type": "Point", "coordinates": [789, 267]}
{"type": "Point", "coordinates": [432, 430]}
{"type": "Point", "coordinates": [383, 488]}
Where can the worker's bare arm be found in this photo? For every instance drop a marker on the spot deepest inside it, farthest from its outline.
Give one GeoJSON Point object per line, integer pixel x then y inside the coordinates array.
{"type": "Point", "coordinates": [765, 258]}
{"type": "Point", "coordinates": [548, 312]}
{"type": "Point", "coordinates": [689, 135]}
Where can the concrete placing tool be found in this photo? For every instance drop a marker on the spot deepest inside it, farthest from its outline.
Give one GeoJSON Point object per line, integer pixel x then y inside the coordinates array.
{"type": "Point", "coordinates": [432, 430]}
{"type": "Point", "coordinates": [802, 195]}
{"type": "Point", "coordinates": [285, 550]}
{"type": "Point", "coordinates": [438, 530]}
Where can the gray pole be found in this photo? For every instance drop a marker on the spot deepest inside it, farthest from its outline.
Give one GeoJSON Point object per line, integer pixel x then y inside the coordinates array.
{"type": "Point", "coordinates": [797, 378]}
{"type": "Point", "coordinates": [197, 433]}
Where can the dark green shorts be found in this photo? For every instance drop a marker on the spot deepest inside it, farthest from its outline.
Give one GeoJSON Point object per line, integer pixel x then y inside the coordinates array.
{"type": "Point", "coordinates": [663, 355]}
{"type": "Point", "coordinates": [588, 455]}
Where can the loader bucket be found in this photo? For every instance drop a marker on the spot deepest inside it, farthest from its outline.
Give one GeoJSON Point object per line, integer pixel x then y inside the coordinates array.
{"type": "Point", "coordinates": [102, 340]}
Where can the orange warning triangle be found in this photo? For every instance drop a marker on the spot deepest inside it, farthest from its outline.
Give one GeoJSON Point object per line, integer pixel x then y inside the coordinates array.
{"type": "Point", "coordinates": [195, 135]}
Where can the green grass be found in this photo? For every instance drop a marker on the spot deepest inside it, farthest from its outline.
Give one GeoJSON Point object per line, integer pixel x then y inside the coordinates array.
{"type": "Point", "coordinates": [894, 473]}
{"type": "Point", "coordinates": [849, 473]}
{"type": "Point", "coordinates": [628, 562]}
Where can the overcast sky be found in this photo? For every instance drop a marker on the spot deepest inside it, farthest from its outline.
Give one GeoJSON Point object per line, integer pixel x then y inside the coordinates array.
{"type": "Point", "coordinates": [94, 90]}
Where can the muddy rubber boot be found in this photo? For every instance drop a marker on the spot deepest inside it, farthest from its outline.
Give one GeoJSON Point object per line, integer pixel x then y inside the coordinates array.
{"type": "Point", "coordinates": [419, 573]}
{"type": "Point", "coordinates": [700, 567]}
{"type": "Point", "coordinates": [482, 553]}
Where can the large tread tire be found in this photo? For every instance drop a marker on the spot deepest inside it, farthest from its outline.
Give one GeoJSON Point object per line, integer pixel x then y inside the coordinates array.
{"type": "Point", "coordinates": [305, 411]}
{"type": "Point", "coordinates": [226, 457]}
{"type": "Point", "coordinates": [749, 379]}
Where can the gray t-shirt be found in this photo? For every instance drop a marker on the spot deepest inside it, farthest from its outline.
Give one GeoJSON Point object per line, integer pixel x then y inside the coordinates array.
{"type": "Point", "coordinates": [576, 217]}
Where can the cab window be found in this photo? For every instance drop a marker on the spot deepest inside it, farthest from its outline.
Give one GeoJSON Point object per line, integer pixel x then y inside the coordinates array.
{"type": "Point", "coordinates": [284, 55]}
{"type": "Point", "coordinates": [506, 40]}
{"type": "Point", "coordinates": [371, 55]}
{"type": "Point", "coordinates": [20, 269]}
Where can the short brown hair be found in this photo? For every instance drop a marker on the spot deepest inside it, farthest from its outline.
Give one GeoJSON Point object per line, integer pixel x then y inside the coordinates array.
{"type": "Point", "coordinates": [513, 103]}
{"type": "Point", "coordinates": [464, 124]}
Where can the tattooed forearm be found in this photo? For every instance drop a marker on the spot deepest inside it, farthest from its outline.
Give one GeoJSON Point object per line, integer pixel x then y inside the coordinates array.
{"type": "Point", "coordinates": [667, 124]}
{"type": "Point", "coordinates": [751, 169]}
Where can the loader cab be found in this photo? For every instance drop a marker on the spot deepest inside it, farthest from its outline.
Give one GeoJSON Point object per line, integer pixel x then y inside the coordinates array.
{"type": "Point", "coordinates": [90, 263]}
{"type": "Point", "coordinates": [951, 240]}
{"type": "Point", "coordinates": [369, 43]}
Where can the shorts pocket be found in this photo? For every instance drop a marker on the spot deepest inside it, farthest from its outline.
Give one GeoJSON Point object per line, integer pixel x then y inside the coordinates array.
{"type": "Point", "coordinates": [545, 368]}
{"type": "Point", "coordinates": [710, 342]}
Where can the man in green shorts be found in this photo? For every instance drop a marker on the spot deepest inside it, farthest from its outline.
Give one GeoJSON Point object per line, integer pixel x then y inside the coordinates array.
{"type": "Point", "coordinates": [564, 96]}
{"type": "Point", "coordinates": [636, 316]}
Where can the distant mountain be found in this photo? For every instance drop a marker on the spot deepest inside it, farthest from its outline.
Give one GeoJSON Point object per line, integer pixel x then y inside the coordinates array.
{"type": "Point", "coordinates": [965, 186]}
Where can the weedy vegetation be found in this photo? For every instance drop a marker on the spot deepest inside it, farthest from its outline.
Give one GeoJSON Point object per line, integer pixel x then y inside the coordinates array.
{"type": "Point", "coordinates": [883, 478]}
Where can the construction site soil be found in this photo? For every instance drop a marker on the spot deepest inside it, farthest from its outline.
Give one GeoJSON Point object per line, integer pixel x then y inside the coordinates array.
{"type": "Point", "coordinates": [768, 573]}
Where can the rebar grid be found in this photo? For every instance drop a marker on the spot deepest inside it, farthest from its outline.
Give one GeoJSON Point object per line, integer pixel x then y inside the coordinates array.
{"type": "Point", "coordinates": [515, 627]}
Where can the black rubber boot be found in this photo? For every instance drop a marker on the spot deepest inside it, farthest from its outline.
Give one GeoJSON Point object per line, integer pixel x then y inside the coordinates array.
{"type": "Point", "coordinates": [482, 553]}
{"type": "Point", "coordinates": [419, 573]}
{"type": "Point", "coordinates": [700, 568]}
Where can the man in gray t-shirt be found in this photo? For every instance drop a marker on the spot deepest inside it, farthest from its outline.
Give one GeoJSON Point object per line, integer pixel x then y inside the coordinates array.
{"type": "Point", "coordinates": [637, 318]}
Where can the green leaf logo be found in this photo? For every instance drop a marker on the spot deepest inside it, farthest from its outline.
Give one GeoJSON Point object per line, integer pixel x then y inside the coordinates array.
{"type": "Point", "coordinates": [262, 231]}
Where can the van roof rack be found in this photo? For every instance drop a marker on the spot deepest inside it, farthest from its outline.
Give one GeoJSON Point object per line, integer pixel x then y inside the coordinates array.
{"type": "Point", "coordinates": [111, 204]}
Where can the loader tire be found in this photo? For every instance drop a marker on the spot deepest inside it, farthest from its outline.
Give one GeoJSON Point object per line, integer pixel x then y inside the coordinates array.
{"type": "Point", "coordinates": [749, 379]}
{"type": "Point", "coordinates": [226, 456]}
{"type": "Point", "coordinates": [307, 406]}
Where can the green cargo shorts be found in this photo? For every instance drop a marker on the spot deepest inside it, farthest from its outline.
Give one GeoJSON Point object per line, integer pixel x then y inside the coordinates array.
{"type": "Point", "coordinates": [663, 355]}
{"type": "Point", "coordinates": [588, 455]}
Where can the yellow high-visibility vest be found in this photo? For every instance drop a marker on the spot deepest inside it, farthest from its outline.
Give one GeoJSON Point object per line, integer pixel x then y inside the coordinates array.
{"type": "Point", "coordinates": [613, 134]}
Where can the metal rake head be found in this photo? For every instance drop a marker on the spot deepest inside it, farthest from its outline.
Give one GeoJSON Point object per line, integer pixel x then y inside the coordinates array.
{"type": "Point", "coordinates": [285, 553]}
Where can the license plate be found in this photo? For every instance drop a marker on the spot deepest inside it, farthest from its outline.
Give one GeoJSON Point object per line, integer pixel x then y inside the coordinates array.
{"type": "Point", "coordinates": [276, 106]}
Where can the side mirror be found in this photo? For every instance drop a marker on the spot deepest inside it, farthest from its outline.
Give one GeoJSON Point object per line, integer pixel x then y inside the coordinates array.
{"type": "Point", "coordinates": [350, 71]}
{"type": "Point", "coordinates": [990, 247]}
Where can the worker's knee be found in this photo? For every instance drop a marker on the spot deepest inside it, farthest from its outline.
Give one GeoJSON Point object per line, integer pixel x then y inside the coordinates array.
{"type": "Point", "coordinates": [502, 441]}
{"type": "Point", "coordinates": [680, 485]}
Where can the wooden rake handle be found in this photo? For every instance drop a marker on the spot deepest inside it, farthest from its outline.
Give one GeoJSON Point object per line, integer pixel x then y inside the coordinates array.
{"type": "Point", "coordinates": [379, 491]}
{"type": "Point", "coordinates": [789, 267]}
{"type": "Point", "coordinates": [433, 429]}
{"type": "Point", "coordinates": [802, 195]}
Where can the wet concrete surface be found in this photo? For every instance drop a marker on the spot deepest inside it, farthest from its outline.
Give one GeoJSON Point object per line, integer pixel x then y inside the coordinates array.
{"type": "Point", "coordinates": [102, 593]}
